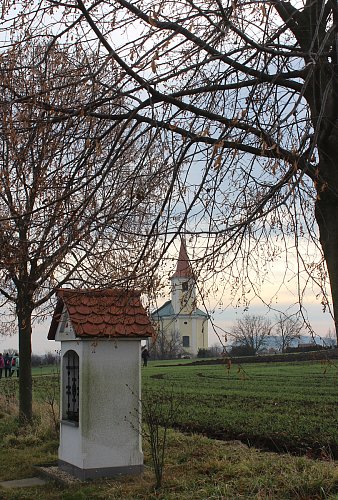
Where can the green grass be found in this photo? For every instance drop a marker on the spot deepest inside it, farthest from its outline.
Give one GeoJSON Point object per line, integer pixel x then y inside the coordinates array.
{"type": "Point", "coordinates": [282, 406]}
{"type": "Point", "coordinates": [278, 406]}
{"type": "Point", "coordinates": [45, 370]}
{"type": "Point", "coordinates": [196, 468]}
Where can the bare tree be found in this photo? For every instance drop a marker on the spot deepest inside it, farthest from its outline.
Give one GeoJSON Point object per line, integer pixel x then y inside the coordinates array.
{"type": "Point", "coordinates": [287, 329]}
{"type": "Point", "coordinates": [330, 339]}
{"type": "Point", "coordinates": [252, 332]}
{"type": "Point", "coordinates": [166, 345]}
{"type": "Point", "coordinates": [240, 99]}
{"type": "Point", "coordinates": [66, 202]}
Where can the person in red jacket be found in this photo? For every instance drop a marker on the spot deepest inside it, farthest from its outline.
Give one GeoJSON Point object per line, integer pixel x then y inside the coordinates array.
{"type": "Point", "coordinates": [8, 365]}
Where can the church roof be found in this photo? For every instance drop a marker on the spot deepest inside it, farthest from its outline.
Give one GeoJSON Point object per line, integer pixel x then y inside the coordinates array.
{"type": "Point", "coordinates": [183, 268]}
{"type": "Point", "coordinates": [167, 310]}
{"type": "Point", "coordinates": [102, 313]}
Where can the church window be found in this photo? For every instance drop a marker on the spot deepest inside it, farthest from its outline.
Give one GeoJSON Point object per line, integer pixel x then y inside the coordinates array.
{"type": "Point", "coordinates": [185, 286]}
{"type": "Point", "coordinates": [186, 341]}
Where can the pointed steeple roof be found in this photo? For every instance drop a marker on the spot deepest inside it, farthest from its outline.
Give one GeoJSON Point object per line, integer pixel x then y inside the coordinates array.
{"type": "Point", "coordinates": [183, 268]}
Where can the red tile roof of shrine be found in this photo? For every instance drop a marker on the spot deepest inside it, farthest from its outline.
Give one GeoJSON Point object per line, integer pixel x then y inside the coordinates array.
{"type": "Point", "coordinates": [102, 313]}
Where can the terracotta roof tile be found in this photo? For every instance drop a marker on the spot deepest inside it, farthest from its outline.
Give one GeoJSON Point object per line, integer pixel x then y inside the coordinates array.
{"type": "Point", "coordinates": [102, 313]}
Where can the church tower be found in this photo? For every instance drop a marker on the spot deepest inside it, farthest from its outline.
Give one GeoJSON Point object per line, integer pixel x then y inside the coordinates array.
{"type": "Point", "coordinates": [182, 328]}
{"type": "Point", "coordinates": [183, 285]}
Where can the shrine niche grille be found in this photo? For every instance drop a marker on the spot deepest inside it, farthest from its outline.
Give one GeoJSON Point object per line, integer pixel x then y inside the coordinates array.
{"type": "Point", "coordinates": [71, 386]}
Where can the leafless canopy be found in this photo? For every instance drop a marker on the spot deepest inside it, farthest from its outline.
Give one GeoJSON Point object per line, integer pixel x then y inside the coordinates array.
{"type": "Point", "coordinates": [238, 98]}
{"type": "Point", "coordinates": [287, 329]}
{"type": "Point", "coordinates": [251, 332]}
{"type": "Point", "coordinates": [73, 206]}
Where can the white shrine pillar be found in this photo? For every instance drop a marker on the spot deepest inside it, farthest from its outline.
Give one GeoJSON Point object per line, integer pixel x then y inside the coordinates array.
{"type": "Point", "coordinates": [100, 429]}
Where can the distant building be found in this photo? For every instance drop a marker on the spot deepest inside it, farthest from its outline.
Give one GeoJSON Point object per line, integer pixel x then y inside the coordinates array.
{"type": "Point", "coordinates": [181, 328]}
{"type": "Point", "coordinates": [305, 347]}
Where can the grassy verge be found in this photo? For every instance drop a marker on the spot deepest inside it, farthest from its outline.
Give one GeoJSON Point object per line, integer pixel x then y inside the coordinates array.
{"type": "Point", "coordinates": [287, 407]}
{"type": "Point", "coordinates": [295, 401]}
{"type": "Point", "coordinates": [196, 467]}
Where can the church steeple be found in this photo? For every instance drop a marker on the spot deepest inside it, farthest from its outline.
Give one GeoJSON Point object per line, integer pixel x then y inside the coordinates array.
{"type": "Point", "coordinates": [183, 268]}
{"type": "Point", "coordinates": [183, 292]}
{"type": "Point", "coordinates": [181, 326]}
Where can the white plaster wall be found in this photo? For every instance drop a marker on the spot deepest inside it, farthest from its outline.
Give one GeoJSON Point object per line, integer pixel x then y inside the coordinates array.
{"type": "Point", "coordinates": [175, 295]}
{"type": "Point", "coordinates": [68, 331]}
{"type": "Point", "coordinates": [204, 342]}
{"type": "Point", "coordinates": [108, 434]}
{"type": "Point", "coordinates": [110, 414]}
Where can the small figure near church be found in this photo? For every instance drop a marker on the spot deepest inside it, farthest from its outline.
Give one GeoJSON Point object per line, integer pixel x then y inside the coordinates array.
{"type": "Point", "coordinates": [145, 355]}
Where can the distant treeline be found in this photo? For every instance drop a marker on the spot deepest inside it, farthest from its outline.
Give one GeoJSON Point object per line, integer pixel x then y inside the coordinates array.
{"type": "Point", "coordinates": [50, 358]}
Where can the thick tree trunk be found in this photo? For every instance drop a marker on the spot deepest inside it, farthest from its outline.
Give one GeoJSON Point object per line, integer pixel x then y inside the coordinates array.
{"type": "Point", "coordinates": [24, 314]}
{"type": "Point", "coordinates": [327, 220]}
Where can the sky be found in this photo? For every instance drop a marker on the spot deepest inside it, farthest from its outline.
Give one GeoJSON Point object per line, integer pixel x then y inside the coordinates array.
{"type": "Point", "coordinates": [223, 313]}
{"type": "Point", "coordinates": [320, 321]}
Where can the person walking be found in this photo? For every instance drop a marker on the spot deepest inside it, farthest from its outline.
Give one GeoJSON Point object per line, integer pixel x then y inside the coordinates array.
{"type": "Point", "coordinates": [145, 355]}
{"type": "Point", "coordinates": [15, 364]}
{"type": "Point", "coordinates": [8, 364]}
{"type": "Point", "coordinates": [2, 364]}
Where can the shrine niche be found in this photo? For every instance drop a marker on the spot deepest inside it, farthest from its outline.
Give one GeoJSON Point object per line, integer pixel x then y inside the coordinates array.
{"type": "Point", "coordinates": [71, 385]}
{"type": "Point", "coordinates": [100, 333]}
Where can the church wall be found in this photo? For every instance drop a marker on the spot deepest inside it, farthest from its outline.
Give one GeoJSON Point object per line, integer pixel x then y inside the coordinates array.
{"type": "Point", "coordinates": [203, 334]}
{"type": "Point", "coordinates": [193, 329]}
{"type": "Point", "coordinates": [186, 330]}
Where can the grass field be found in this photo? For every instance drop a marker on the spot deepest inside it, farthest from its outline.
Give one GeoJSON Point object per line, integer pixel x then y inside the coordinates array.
{"type": "Point", "coordinates": [290, 407]}
{"type": "Point", "coordinates": [283, 406]}
{"type": "Point", "coordinates": [196, 468]}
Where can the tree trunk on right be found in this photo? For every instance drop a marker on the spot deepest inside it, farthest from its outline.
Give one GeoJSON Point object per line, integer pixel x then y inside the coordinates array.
{"type": "Point", "coordinates": [327, 220]}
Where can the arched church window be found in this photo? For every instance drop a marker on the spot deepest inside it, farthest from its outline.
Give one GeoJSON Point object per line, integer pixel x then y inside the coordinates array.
{"type": "Point", "coordinates": [70, 398]}
{"type": "Point", "coordinates": [185, 286]}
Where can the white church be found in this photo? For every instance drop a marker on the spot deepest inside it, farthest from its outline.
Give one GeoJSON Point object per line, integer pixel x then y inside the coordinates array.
{"type": "Point", "coordinates": [181, 328]}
